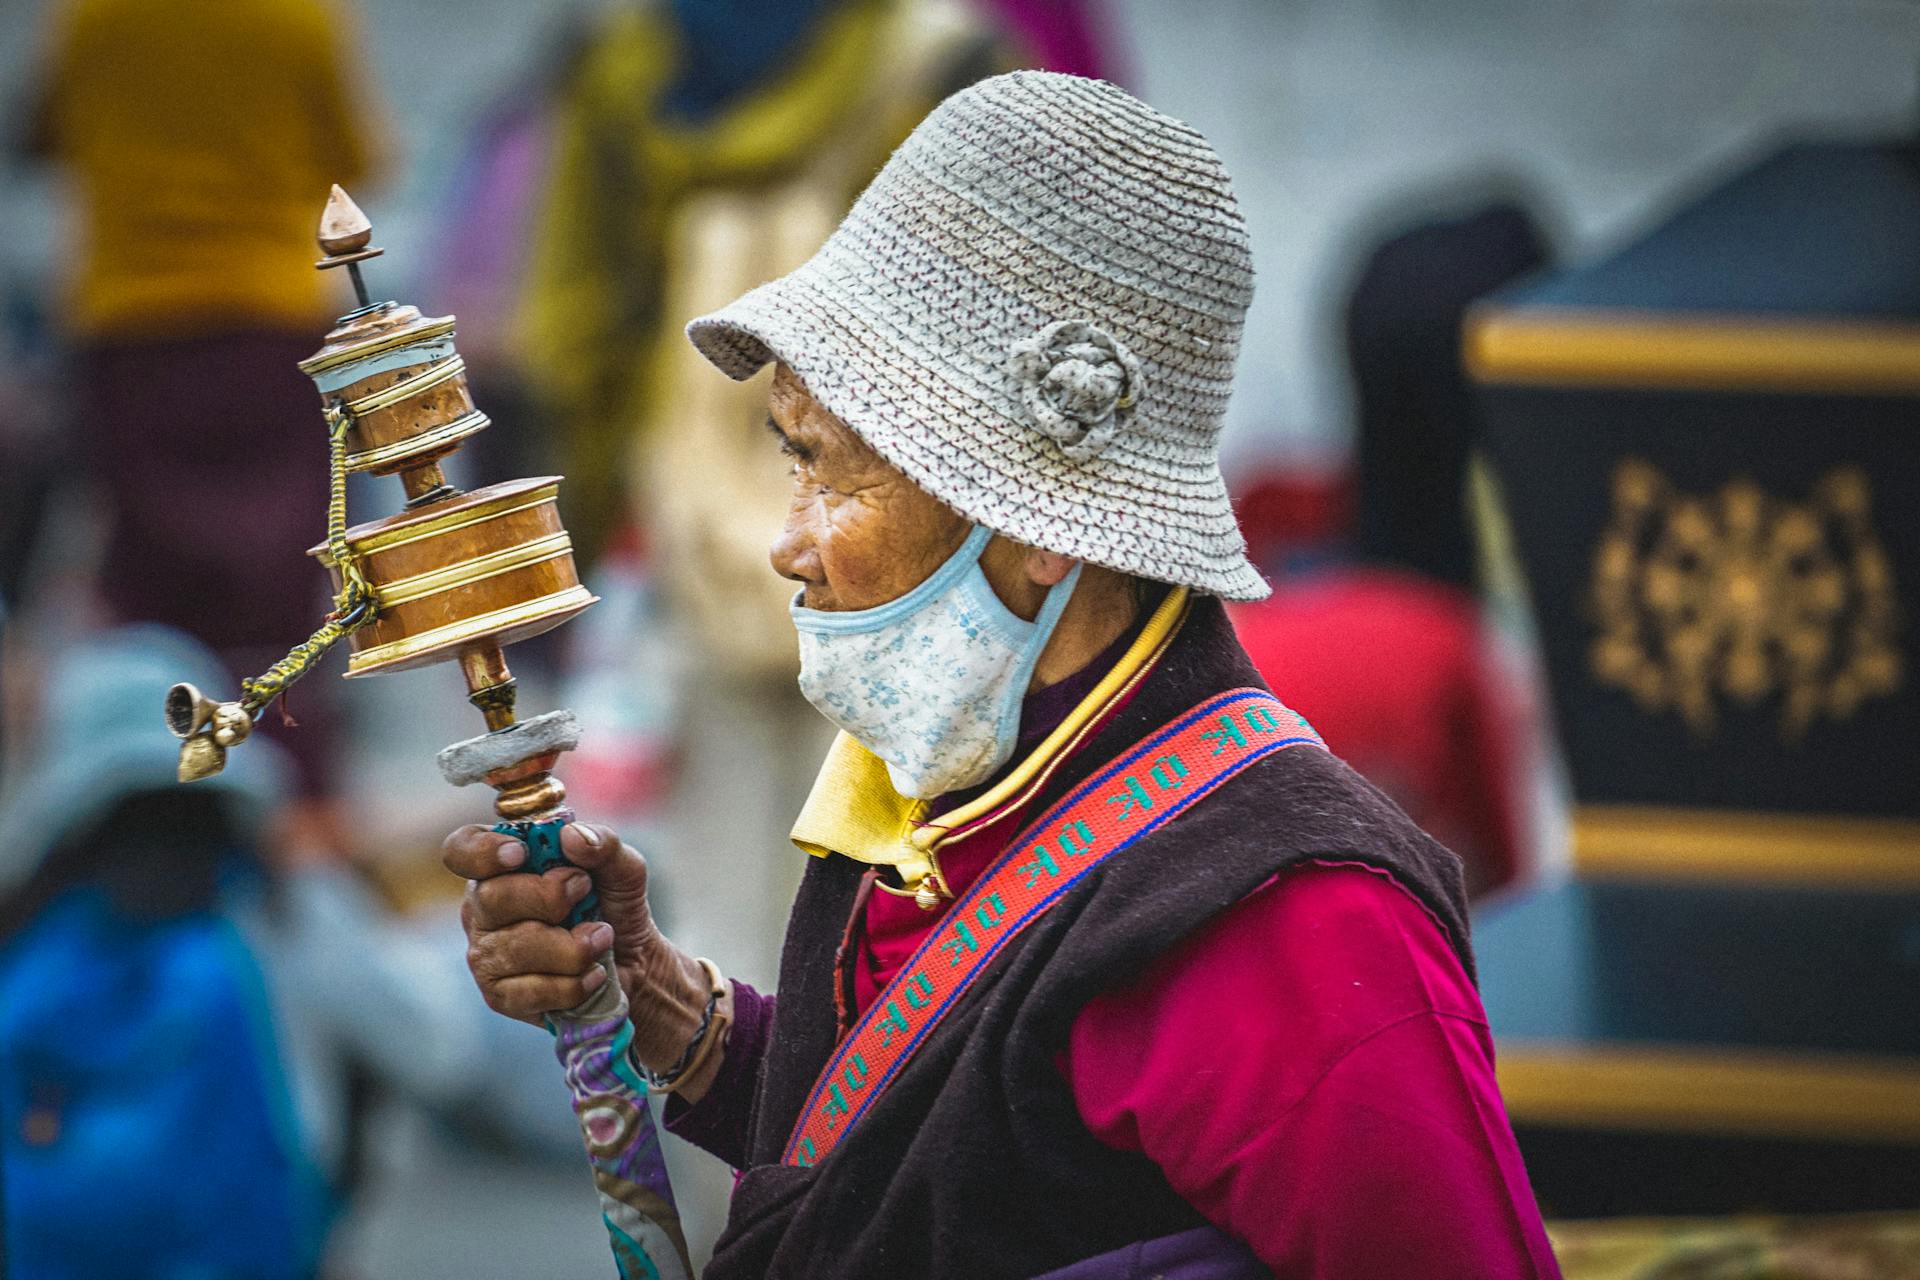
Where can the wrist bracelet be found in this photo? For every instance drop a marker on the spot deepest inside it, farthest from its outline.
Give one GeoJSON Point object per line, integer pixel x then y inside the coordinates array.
{"type": "Point", "coordinates": [711, 1030]}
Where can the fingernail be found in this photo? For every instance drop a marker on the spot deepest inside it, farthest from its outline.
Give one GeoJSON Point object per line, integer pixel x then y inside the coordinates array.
{"type": "Point", "coordinates": [578, 887]}
{"type": "Point", "coordinates": [512, 854]}
{"type": "Point", "coordinates": [600, 937]}
{"type": "Point", "coordinates": [588, 834]}
{"type": "Point", "coordinates": [594, 979]}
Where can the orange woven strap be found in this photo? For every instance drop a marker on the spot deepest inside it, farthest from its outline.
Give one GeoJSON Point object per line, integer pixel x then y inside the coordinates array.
{"type": "Point", "coordinates": [1150, 785]}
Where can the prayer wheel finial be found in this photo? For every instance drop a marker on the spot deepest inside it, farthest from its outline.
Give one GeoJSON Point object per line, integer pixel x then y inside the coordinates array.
{"type": "Point", "coordinates": [345, 236]}
{"type": "Point", "coordinates": [343, 227]}
{"type": "Point", "coordinates": [346, 233]}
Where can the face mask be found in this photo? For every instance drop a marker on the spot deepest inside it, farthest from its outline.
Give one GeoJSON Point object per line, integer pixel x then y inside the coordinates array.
{"type": "Point", "coordinates": [932, 682]}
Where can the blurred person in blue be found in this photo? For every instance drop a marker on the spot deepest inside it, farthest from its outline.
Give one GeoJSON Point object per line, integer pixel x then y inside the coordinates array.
{"type": "Point", "coordinates": [187, 1031]}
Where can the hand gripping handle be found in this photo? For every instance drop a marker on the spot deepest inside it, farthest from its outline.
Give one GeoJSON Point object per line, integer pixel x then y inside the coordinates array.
{"type": "Point", "coordinates": [543, 854]}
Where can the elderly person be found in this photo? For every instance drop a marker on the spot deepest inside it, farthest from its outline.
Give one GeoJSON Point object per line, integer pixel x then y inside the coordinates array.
{"type": "Point", "coordinates": [1101, 962]}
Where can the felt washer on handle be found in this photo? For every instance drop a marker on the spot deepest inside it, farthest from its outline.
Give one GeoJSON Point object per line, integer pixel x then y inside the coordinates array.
{"type": "Point", "coordinates": [471, 761]}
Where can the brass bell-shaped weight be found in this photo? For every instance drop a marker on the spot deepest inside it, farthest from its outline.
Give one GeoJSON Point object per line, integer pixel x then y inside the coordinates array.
{"type": "Point", "coordinates": [188, 710]}
{"type": "Point", "coordinates": [201, 757]}
{"type": "Point", "coordinates": [206, 729]}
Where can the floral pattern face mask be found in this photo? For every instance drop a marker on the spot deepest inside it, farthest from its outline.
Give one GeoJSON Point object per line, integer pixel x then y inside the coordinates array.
{"type": "Point", "coordinates": [931, 682]}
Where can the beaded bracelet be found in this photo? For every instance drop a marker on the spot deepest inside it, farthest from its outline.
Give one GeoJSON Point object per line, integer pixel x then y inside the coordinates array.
{"type": "Point", "coordinates": [711, 1030]}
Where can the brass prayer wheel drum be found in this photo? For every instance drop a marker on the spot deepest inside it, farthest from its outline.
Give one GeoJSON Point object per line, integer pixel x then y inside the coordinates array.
{"type": "Point", "coordinates": [403, 387]}
{"type": "Point", "coordinates": [489, 567]}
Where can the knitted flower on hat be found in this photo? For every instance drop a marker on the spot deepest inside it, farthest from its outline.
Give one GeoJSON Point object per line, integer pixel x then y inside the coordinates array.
{"type": "Point", "coordinates": [1034, 312]}
{"type": "Point", "coordinates": [1078, 382]}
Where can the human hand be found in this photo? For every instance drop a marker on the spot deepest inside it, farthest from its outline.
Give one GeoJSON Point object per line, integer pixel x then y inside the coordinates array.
{"type": "Point", "coordinates": [527, 963]}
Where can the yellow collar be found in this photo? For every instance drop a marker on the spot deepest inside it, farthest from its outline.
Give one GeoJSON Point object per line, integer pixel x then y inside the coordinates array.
{"type": "Point", "coordinates": [854, 810]}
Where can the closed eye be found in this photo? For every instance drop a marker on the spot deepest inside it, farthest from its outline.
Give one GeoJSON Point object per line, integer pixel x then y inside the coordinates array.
{"type": "Point", "coordinates": [788, 445]}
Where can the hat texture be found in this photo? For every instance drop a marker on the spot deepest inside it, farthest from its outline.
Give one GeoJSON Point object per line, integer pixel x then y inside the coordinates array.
{"type": "Point", "coordinates": [1034, 311]}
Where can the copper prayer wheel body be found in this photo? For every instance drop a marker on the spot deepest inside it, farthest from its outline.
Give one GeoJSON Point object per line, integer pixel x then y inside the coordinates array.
{"type": "Point", "coordinates": [493, 565]}
{"type": "Point", "coordinates": [403, 386]}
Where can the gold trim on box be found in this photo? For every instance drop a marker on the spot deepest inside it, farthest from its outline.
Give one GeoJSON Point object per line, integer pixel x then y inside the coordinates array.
{"type": "Point", "coordinates": [1814, 850]}
{"type": "Point", "coordinates": [479, 569]}
{"type": "Point", "coordinates": [1730, 1091]}
{"type": "Point", "coordinates": [425, 380]}
{"type": "Point", "coordinates": [1621, 347]}
{"type": "Point", "coordinates": [388, 539]}
{"type": "Point", "coordinates": [467, 630]}
{"type": "Point", "coordinates": [470, 423]}
{"type": "Point", "coordinates": [426, 331]}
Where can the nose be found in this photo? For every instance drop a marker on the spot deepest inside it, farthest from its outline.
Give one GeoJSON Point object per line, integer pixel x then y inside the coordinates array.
{"type": "Point", "coordinates": [792, 554]}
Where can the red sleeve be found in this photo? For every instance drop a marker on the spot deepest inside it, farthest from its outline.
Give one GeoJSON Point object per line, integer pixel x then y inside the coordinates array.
{"type": "Point", "coordinates": [1313, 1073]}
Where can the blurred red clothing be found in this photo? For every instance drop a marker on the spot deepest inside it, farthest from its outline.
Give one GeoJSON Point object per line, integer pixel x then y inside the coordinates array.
{"type": "Point", "coordinates": [1395, 672]}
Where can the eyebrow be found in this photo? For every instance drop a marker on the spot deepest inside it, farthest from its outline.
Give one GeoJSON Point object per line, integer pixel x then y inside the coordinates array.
{"type": "Point", "coordinates": [788, 444]}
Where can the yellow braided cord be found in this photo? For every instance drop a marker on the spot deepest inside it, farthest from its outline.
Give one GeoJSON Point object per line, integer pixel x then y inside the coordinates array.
{"type": "Point", "coordinates": [353, 608]}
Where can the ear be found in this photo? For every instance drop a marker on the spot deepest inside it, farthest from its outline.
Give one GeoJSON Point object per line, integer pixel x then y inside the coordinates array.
{"type": "Point", "coordinates": [1046, 568]}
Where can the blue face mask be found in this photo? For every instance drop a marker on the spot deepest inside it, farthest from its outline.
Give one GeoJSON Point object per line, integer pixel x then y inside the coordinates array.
{"type": "Point", "coordinates": [931, 682]}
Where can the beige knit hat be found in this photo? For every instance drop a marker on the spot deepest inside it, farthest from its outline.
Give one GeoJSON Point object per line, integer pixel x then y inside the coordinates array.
{"type": "Point", "coordinates": [1033, 311]}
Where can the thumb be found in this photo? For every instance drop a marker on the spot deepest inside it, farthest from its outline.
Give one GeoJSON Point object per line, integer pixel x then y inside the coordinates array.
{"type": "Point", "coordinates": [619, 876]}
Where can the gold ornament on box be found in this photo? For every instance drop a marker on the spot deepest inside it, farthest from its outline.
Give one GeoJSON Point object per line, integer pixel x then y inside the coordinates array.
{"type": "Point", "coordinates": [1741, 596]}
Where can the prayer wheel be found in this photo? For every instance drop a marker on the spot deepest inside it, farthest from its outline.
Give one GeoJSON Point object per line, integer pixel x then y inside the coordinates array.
{"type": "Point", "coordinates": [452, 577]}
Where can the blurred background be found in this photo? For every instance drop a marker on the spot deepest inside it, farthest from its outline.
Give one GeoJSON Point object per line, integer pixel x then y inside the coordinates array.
{"type": "Point", "coordinates": [1574, 425]}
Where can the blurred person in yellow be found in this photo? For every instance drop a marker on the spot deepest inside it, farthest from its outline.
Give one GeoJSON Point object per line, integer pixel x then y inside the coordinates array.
{"type": "Point", "coordinates": [199, 139]}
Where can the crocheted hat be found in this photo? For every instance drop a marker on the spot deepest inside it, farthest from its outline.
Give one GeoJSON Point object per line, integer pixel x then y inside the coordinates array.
{"type": "Point", "coordinates": [1033, 311]}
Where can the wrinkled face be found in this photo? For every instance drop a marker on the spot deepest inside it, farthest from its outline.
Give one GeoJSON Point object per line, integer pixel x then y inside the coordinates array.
{"type": "Point", "coordinates": [858, 532]}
